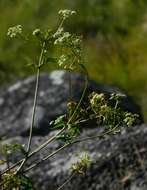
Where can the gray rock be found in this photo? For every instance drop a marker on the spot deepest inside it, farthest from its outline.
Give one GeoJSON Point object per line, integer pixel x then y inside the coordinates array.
{"type": "Point", "coordinates": [16, 102]}
{"type": "Point", "coordinates": [118, 162]}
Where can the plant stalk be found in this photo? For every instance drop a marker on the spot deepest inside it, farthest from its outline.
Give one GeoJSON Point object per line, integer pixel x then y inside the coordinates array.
{"type": "Point", "coordinates": [34, 109]}
{"type": "Point", "coordinates": [66, 145]}
{"type": "Point", "coordinates": [67, 180]}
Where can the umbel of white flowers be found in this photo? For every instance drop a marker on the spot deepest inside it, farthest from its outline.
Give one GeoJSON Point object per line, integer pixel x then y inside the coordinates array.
{"type": "Point", "coordinates": [13, 31]}
{"type": "Point", "coordinates": [66, 13]}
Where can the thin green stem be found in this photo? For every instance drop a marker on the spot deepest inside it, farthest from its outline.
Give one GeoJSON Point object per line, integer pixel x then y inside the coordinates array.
{"type": "Point", "coordinates": [116, 104]}
{"type": "Point", "coordinates": [41, 147]}
{"type": "Point", "coordinates": [94, 136]}
{"type": "Point", "coordinates": [80, 101]}
{"type": "Point", "coordinates": [70, 86]}
{"type": "Point", "coordinates": [35, 151]}
{"type": "Point", "coordinates": [66, 145]}
{"type": "Point", "coordinates": [22, 162]}
{"type": "Point", "coordinates": [7, 162]}
{"type": "Point", "coordinates": [67, 180]}
{"type": "Point", "coordinates": [34, 109]}
{"type": "Point", "coordinates": [32, 123]}
{"type": "Point", "coordinates": [35, 99]}
{"type": "Point", "coordinates": [46, 143]}
{"type": "Point", "coordinates": [46, 158]}
{"type": "Point", "coordinates": [61, 23]}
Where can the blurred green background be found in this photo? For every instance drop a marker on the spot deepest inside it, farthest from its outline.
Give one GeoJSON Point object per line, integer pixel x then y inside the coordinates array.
{"type": "Point", "coordinates": [115, 40]}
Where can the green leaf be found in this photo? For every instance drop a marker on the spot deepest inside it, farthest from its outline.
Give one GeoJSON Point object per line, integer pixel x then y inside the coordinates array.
{"type": "Point", "coordinates": [64, 137]}
{"type": "Point", "coordinates": [59, 122]}
{"type": "Point", "coordinates": [59, 119]}
{"type": "Point", "coordinates": [30, 65]}
{"type": "Point", "coordinates": [74, 129]}
{"type": "Point", "coordinates": [18, 147]}
{"type": "Point", "coordinates": [8, 149]}
{"type": "Point", "coordinates": [59, 126]}
{"type": "Point", "coordinates": [26, 183]}
{"type": "Point", "coordinates": [51, 60]}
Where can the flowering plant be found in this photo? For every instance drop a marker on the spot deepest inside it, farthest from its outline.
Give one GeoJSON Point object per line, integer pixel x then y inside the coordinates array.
{"type": "Point", "coordinates": [98, 107]}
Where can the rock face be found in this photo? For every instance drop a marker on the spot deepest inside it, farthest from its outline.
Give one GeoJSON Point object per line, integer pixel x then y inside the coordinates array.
{"type": "Point", "coordinates": [16, 101]}
{"type": "Point", "coordinates": [118, 162]}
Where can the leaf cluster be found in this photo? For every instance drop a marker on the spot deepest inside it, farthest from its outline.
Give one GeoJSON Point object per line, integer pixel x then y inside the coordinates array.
{"type": "Point", "coordinates": [99, 109]}
{"type": "Point", "coordinates": [11, 181]}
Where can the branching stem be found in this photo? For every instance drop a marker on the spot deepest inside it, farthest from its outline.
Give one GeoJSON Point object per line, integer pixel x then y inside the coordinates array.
{"type": "Point", "coordinates": [67, 180]}
{"type": "Point", "coordinates": [34, 109]}
{"type": "Point", "coordinates": [69, 144]}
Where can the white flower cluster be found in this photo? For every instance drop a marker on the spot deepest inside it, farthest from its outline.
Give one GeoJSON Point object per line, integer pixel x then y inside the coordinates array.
{"type": "Point", "coordinates": [96, 99]}
{"type": "Point", "coordinates": [130, 118]}
{"type": "Point", "coordinates": [73, 50]}
{"type": "Point", "coordinates": [58, 32]}
{"type": "Point", "coordinates": [83, 162]}
{"type": "Point", "coordinates": [77, 41]}
{"type": "Point", "coordinates": [62, 60]}
{"type": "Point", "coordinates": [14, 31]}
{"type": "Point", "coordinates": [36, 32]}
{"type": "Point", "coordinates": [68, 42]}
{"type": "Point", "coordinates": [63, 37]}
{"type": "Point", "coordinates": [66, 13]}
{"type": "Point", "coordinates": [65, 62]}
{"type": "Point", "coordinates": [117, 96]}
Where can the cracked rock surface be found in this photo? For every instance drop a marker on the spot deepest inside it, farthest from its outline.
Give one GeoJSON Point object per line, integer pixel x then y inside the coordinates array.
{"type": "Point", "coordinates": [118, 162]}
